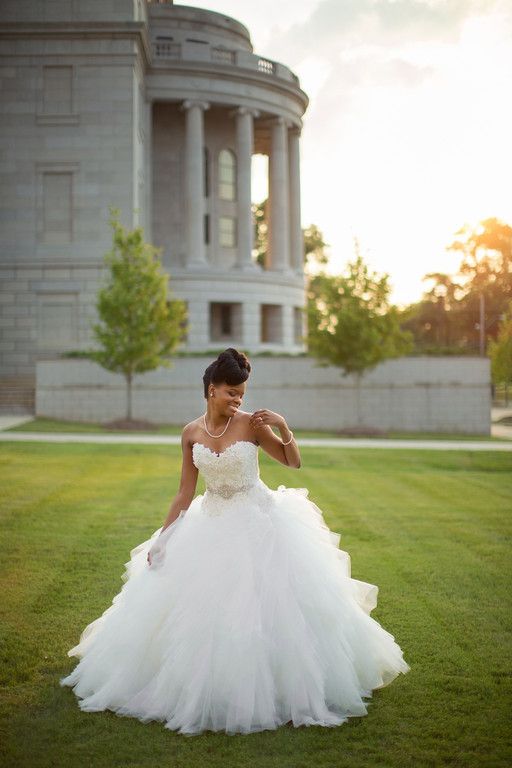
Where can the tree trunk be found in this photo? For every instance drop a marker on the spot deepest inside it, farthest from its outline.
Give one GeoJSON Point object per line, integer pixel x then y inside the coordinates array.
{"type": "Point", "coordinates": [129, 396]}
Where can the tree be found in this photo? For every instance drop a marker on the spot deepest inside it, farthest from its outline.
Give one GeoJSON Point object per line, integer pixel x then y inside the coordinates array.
{"type": "Point", "coordinates": [140, 324]}
{"type": "Point", "coordinates": [444, 291]}
{"type": "Point", "coordinates": [447, 320]}
{"type": "Point", "coordinates": [431, 320]}
{"type": "Point", "coordinates": [500, 351]}
{"type": "Point", "coordinates": [315, 246]}
{"type": "Point", "coordinates": [351, 323]}
{"type": "Point", "coordinates": [487, 266]}
{"type": "Point", "coordinates": [487, 255]}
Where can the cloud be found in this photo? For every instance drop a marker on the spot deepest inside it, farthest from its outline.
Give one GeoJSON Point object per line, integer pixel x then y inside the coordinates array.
{"type": "Point", "coordinates": [337, 25]}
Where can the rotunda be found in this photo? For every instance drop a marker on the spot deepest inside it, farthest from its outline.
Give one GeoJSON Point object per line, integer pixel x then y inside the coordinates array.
{"type": "Point", "coordinates": [215, 104]}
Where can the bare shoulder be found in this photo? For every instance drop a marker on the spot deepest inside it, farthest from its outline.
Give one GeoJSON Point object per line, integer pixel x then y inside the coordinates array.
{"type": "Point", "coordinates": [242, 416]}
{"type": "Point", "coordinates": [189, 431]}
{"type": "Point", "coordinates": [243, 419]}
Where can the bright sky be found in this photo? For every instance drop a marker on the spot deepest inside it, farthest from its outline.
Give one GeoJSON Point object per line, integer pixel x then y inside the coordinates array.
{"type": "Point", "coordinates": [408, 133]}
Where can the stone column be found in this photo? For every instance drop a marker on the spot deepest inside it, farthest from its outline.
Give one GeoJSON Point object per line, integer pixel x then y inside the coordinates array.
{"type": "Point", "coordinates": [199, 327]}
{"type": "Point", "coordinates": [194, 180]}
{"type": "Point", "coordinates": [288, 340]}
{"type": "Point", "coordinates": [296, 240]}
{"type": "Point", "coordinates": [251, 325]}
{"type": "Point", "coordinates": [244, 147]}
{"type": "Point", "coordinates": [279, 214]}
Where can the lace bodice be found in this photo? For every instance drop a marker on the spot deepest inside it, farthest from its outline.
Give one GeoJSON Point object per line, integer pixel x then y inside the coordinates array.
{"type": "Point", "coordinates": [227, 474]}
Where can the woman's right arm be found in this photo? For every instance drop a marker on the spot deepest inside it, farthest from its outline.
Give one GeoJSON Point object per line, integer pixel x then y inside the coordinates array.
{"type": "Point", "coordinates": [188, 481]}
{"type": "Point", "coordinates": [181, 501]}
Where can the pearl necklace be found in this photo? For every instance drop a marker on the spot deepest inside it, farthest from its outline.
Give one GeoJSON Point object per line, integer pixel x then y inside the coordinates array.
{"type": "Point", "coordinates": [209, 433]}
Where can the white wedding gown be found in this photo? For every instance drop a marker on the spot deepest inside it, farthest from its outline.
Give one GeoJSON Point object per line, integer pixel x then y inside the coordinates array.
{"type": "Point", "coordinates": [251, 620]}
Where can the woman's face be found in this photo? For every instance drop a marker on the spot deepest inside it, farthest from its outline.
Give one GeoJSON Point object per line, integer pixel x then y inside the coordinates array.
{"type": "Point", "coordinates": [227, 397]}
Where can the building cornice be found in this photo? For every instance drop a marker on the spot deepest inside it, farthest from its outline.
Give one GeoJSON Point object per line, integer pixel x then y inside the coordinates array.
{"type": "Point", "coordinates": [80, 30]}
{"type": "Point", "coordinates": [207, 275]}
{"type": "Point", "coordinates": [228, 73]}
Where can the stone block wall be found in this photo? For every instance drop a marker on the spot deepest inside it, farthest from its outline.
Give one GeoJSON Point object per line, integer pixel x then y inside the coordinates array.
{"type": "Point", "coordinates": [434, 394]}
{"type": "Point", "coordinates": [71, 145]}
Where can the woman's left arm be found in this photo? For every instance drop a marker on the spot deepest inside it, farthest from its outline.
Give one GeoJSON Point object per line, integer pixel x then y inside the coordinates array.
{"type": "Point", "coordinates": [285, 450]}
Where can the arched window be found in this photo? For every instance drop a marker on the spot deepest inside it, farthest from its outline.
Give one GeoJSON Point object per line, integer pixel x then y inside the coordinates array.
{"type": "Point", "coordinates": [227, 175]}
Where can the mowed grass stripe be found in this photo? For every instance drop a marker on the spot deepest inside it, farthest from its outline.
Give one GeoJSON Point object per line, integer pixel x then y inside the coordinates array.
{"type": "Point", "coordinates": [431, 529]}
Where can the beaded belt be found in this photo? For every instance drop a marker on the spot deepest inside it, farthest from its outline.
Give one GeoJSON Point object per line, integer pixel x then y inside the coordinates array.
{"type": "Point", "coordinates": [227, 491]}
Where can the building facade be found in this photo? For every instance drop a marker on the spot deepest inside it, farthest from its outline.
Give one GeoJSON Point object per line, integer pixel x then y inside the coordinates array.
{"type": "Point", "coordinates": [156, 109]}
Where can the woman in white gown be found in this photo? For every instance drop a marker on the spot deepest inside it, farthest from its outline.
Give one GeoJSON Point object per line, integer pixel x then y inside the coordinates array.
{"type": "Point", "coordinates": [239, 614]}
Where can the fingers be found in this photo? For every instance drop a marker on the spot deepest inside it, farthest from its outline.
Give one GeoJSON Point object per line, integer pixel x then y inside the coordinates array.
{"type": "Point", "coordinates": [263, 416]}
{"type": "Point", "coordinates": [257, 419]}
{"type": "Point", "coordinates": [260, 414]}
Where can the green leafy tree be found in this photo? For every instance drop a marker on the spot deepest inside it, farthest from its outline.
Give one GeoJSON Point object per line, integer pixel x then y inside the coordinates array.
{"type": "Point", "coordinates": [351, 323]}
{"type": "Point", "coordinates": [140, 324]}
{"type": "Point", "coordinates": [314, 244]}
{"type": "Point", "coordinates": [486, 265]}
{"type": "Point", "coordinates": [447, 318]}
{"type": "Point", "coordinates": [433, 320]}
{"type": "Point", "coordinates": [486, 256]}
{"type": "Point", "coordinates": [315, 247]}
{"type": "Point", "coordinates": [500, 351]}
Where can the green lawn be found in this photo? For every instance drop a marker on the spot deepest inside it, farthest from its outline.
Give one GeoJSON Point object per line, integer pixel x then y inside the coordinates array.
{"type": "Point", "coordinates": [431, 528]}
{"type": "Point", "coordinates": [41, 424]}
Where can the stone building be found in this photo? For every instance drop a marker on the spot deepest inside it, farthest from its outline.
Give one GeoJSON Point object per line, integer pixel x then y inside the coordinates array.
{"type": "Point", "coordinates": [156, 109]}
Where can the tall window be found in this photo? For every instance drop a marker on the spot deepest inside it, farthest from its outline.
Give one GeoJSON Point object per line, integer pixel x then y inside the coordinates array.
{"type": "Point", "coordinates": [57, 321]}
{"type": "Point", "coordinates": [227, 175]}
{"type": "Point", "coordinates": [57, 207]}
{"type": "Point", "coordinates": [227, 231]}
{"type": "Point", "coordinates": [57, 90]}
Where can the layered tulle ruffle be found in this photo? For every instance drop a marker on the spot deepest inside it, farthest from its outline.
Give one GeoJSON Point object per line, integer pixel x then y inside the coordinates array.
{"type": "Point", "coordinates": [250, 620]}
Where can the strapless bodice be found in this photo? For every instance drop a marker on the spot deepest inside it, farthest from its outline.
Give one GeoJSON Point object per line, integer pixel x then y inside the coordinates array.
{"type": "Point", "coordinates": [228, 473]}
{"type": "Point", "coordinates": [233, 470]}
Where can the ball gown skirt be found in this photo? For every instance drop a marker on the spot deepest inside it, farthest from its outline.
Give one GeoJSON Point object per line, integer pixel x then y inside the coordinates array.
{"type": "Point", "coordinates": [249, 618]}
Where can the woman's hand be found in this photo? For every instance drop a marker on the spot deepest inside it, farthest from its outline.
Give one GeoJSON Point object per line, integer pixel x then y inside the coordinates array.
{"type": "Point", "coordinates": [264, 416]}
{"type": "Point", "coordinates": [156, 552]}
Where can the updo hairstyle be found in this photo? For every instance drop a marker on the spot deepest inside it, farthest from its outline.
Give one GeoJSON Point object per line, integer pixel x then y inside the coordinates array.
{"type": "Point", "coordinates": [231, 367]}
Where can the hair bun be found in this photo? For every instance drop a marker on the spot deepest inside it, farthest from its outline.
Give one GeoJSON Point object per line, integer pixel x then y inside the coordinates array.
{"type": "Point", "coordinates": [240, 358]}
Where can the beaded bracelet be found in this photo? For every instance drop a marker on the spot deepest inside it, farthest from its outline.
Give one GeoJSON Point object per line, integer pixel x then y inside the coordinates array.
{"type": "Point", "coordinates": [288, 441]}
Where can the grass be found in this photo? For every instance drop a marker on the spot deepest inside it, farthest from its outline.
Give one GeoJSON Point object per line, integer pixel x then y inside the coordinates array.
{"type": "Point", "coordinates": [431, 529]}
{"type": "Point", "coordinates": [41, 424]}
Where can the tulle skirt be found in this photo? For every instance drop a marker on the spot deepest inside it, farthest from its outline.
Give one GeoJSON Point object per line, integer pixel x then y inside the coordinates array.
{"type": "Point", "coordinates": [250, 621]}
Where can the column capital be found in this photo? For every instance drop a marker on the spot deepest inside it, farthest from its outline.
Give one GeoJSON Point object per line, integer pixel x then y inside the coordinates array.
{"type": "Point", "coordinates": [280, 120]}
{"type": "Point", "coordinates": [189, 103]}
{"type": "Point", "coordinates": [244, 111]}
{"type": "Point", "coordinates": [295, 130]}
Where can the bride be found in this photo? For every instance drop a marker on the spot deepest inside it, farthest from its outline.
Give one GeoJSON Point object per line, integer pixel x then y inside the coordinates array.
{"type": "Point", "coordinates": [239, 614]}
